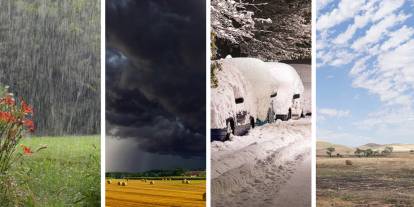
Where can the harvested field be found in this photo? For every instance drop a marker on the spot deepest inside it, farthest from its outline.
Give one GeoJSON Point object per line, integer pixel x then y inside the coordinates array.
{"type": "Point", "coordinates": [161, 193]}
{"type": "Point", "coordinates": [375, 181]}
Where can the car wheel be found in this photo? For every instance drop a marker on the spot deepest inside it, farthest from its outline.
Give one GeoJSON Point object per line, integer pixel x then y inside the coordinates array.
{"type": "Point", "coordinates": [229, 130]}
{"type": "Point", "coordinates": [290, 114]}
{"type": "Point", "coordinates": [252, 124]}
{"type": "Point", "coordinates": [270, 118]}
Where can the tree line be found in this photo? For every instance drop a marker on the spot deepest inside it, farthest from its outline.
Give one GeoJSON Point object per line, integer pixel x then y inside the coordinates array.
{"type": "Point", "coordinates": [154, 173]}
{"type": "Point", "coordinates": [330, 151]}
{"type": "Point", "coordinates": [50, 55]}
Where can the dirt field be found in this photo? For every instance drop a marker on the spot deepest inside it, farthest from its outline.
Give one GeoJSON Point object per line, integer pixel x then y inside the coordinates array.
{"type": "Point", "coordinates": [377, 181]}
{"type": "Point", "coordinates": [162, 193]}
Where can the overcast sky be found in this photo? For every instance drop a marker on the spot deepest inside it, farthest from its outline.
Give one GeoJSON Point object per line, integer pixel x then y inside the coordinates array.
{"type": "Point", "coordinates": [155, 78]}
{"type": "Point", "coordinates": [365, 71]}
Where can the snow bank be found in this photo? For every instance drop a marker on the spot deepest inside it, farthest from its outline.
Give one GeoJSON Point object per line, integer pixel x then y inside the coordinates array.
{"type": "Point", "coordinates": [258, 75]}
{"type": "Point", "coordinates": [289, 84]}
{"type": "Point", "coordinates": [231, 85]}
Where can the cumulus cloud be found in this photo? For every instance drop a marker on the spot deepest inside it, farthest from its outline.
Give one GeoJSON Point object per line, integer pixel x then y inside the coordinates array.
{"type": "Point", "coordinates": [377, 31]}
{"type": "Point", "coordinates": [381, 44]}
{"type": "Point", "coordinates": [345, 10]}
{"type": "Point", "coordinates": [379, 36]}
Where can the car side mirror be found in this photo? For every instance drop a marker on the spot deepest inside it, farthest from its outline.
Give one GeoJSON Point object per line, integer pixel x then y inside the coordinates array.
{"type": "Point", "coordinates": [296, 96]}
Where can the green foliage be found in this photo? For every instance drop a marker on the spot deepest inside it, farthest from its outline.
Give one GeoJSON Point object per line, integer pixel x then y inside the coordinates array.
{"type": "Point", "coordinates": [213, 74]}
{"type": "Point", "coordinates": [177, 173]}
{"type": "Point", "coordinates": [14, 190]}
{"type": "Point", "coordinates": [358, 152]}
{"type": "Point", "coordinates": [66, 173]}
{"type": "Point", "coordinates": [213, 46]}
{"type": "Point", "coordinates": [90, 194]}
{"type": "Point", "coordinates": [329, 151]}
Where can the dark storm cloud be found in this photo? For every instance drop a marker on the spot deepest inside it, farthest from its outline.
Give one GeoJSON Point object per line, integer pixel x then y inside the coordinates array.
{"type": "Point", "coordinates": [156, 74]}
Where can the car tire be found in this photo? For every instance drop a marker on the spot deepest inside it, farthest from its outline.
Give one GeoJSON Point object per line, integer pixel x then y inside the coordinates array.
{"type": "Point", "coordinates": [289, 115]}
{"type": "Point", "coordinates": [229, 130]}
{"type": "Point", "coordinates": [270, 117]}
{"type": "Point", "coordinates": [252, 123]}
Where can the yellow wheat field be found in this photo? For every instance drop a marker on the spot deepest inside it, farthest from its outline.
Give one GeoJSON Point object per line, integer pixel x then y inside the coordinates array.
{"type": "Point", "coordinates": [161, 193]}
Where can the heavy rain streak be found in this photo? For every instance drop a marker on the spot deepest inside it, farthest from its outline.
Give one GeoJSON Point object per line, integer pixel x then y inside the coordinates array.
{"type": "Point", "coordinates": [49, 54]}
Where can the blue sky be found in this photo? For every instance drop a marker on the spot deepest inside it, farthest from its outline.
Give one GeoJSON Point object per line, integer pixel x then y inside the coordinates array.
{"type": "Point", "coordinates": [365, 71]}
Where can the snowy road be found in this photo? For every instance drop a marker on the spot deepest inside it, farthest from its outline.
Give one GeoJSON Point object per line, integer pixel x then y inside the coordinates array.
{"type": "Point", "coordinates": [263, 167]}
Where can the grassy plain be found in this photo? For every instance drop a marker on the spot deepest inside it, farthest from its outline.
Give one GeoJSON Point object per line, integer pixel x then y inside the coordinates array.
{"type": "Point", "coordinates": [65, 173]}
{"type": "Point", "coordinates": [161, 193]}
{"type": "Point", "coordinates": [373, 181]}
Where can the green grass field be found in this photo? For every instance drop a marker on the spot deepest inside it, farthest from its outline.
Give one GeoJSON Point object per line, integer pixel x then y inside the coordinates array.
{"type": "Point", "coordinates": [66, 173]}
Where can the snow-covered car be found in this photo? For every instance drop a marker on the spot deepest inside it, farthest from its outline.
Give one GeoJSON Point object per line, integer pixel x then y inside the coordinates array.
{"type": "Point", "coordinates": [288, 102]}
{"type": "Point", "coordinates": [305, 73]}
{"type": "Point", "coordinates": [232, 111]}
{"type": "Point", "coordinates": [263, 85]}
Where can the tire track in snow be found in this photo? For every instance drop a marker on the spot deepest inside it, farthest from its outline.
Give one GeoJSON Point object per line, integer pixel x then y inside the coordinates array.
{"type": "Point", "coordinates": [250, 170]}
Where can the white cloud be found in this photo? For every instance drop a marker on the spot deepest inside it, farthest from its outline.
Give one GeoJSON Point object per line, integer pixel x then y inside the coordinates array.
{"type": "Point", "coordinates": [346, 9]}
{"type": "Point", "coordinates": [360, 21]}
{"type": "Point", "coordinates": [378, 31]}
{"type": "Point", "coordinates": [397, 37]}
{"type": "Point", "coordinates": [379, 37]}
{"type": "Point", "coordinates": [329, 112]}
{"type": "Point", "coordinates": [387, 117]}
{"type": "Point", "coordinates": [387, 7]}
{"type": "Point", "coordinates": [400, 60]}
{"type": "Point", "coordinates": [321, 4]}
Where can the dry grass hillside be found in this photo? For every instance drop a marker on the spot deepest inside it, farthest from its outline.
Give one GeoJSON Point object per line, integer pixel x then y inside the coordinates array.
{"type": "Point", "coordinates": [321, 147]}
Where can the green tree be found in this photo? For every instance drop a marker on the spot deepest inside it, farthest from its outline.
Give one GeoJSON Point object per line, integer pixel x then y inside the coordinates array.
{"type": "Point", "coordinates": [329, 151]}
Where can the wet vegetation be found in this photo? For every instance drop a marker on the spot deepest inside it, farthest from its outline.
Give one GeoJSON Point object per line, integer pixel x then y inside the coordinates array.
{"type": "Point", "coordinates": [50, 54]}
{"type": "Point", "coordinates": [50, 58]}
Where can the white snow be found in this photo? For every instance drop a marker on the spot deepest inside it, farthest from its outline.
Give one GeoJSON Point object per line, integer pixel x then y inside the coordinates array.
{"type": "Point", "coordinates": [258, 75]}
{"type": "Point", "coordinates": [289, 84]}
{"type": "Point", "coordinates": [256, 169]}
{"type": "Point", "coordinates": [305, 73]}
{"type": "Point", "coordinates": [231, 85]}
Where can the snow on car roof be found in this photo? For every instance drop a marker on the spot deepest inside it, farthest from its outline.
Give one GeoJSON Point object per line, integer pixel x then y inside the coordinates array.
{"type": "Point", "coordinates": [261, 81]}
{"type": "Point", "coordinates": [286, 76]}
{"type": "Point", "coordinates": [231, 85]}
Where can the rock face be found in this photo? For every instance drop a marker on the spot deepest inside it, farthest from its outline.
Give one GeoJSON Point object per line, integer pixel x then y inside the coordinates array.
{"type": "Point", "coordinates": [287, 37]}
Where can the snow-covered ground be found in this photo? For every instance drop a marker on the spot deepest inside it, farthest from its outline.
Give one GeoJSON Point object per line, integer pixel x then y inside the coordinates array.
{"type": "Point", "coordinates": [263, 167]}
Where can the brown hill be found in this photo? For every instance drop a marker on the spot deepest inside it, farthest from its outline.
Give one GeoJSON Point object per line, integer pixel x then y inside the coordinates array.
{"type": "Point", "coordinates": [321, 147]}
